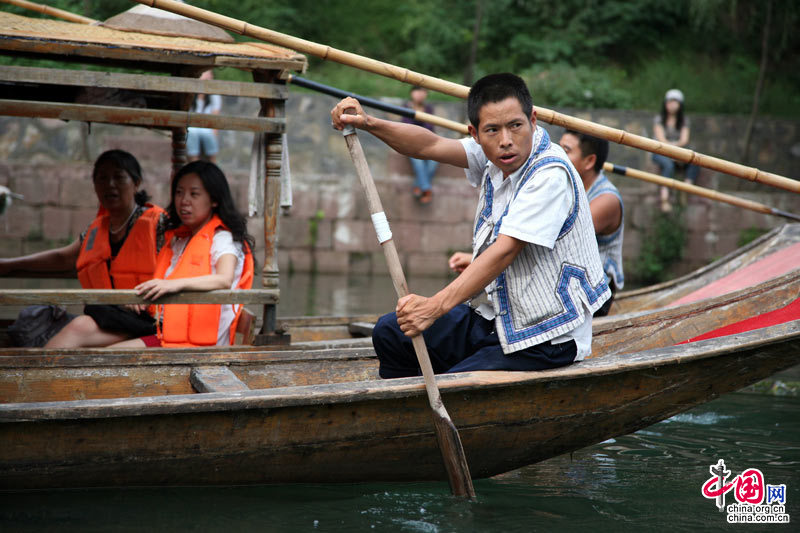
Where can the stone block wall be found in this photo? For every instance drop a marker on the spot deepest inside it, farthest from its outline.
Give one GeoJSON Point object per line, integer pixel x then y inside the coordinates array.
{"type": "Point", "coordinates": [328, 227]}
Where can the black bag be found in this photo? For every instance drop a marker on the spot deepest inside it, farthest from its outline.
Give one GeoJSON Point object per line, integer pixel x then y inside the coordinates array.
{"type": "Point", "coordinates": [37, 324]}
{"type": "Point", "coordinates": [121, 320]}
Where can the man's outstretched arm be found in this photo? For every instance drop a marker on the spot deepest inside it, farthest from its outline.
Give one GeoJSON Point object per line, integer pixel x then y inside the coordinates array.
{"type": "Point", "coordinates": [408, 139]}
{"type": "Point", "coordinates": [416, 313]}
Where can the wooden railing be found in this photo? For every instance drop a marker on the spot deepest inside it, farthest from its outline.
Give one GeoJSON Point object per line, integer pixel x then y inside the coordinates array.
{"type": "Point", "coordinates": [121, 297]}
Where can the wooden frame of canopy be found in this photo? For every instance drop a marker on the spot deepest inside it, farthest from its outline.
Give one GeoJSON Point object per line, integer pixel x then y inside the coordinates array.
{"type": "Point", "coordinates": [51, 93]}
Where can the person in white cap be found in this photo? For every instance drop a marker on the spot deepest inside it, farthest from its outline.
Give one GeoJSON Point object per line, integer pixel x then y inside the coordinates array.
{"type": "Point", "coordinates": [671, 126]}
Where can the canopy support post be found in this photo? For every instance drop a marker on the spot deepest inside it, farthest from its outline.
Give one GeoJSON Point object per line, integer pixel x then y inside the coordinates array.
{"type": "Point", "coordinates": [273, 145]}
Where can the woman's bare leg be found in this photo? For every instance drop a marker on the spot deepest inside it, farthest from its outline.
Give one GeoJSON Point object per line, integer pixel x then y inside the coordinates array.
{"type": "Point", "coordinates": [83, 332]}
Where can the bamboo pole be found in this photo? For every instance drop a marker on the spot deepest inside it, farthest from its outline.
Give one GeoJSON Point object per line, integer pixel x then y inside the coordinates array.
{"type": "Point", "coordinates": [699, 191]}
{"type": "Point", "coordinates": [461, 91]}
{"type": "Point", "coordinates": [51, 11]}
{"type": "Point", "coordinates": [455, 460]}
{"type": "Point", "coordinates": [608, 167]}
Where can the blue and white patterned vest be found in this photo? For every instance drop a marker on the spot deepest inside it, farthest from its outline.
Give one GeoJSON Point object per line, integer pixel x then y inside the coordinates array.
{"type": "Point", "coordinates": [610, 246]}
{"type": "Point", "coordinates": [542, 293]}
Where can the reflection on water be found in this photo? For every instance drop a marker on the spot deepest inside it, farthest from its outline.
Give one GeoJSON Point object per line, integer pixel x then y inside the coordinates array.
{"type": "Point", "coordinates": [332, 294]}
{"type": "Point", "coordinates": [649, 480]}
{"type": "Point", "coordinates": [302, 294]}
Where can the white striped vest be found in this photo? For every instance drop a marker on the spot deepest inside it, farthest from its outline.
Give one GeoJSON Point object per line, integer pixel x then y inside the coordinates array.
{"type": "Point", "coordinates": [542, 293]}
{"type": "Point", "coordinates": [610, 246]}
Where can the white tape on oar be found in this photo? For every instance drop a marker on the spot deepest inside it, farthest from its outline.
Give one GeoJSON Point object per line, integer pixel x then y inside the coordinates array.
{"type": "Point", "coordinates": [381, 227]}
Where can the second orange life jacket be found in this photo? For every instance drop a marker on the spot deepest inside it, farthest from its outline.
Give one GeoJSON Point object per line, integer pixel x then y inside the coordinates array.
{"type": "Point", "coordinates": [196, 324]}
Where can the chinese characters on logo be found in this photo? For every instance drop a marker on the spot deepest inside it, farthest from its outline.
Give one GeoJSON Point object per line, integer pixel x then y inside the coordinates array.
{"type": "Point", "coordinates": [757, 501]}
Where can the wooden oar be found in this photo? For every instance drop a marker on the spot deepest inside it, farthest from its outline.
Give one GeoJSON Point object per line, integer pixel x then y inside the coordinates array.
{"type": "Point", "coordinates": [608, 167]}
{"type": "Point", "coordinates": [50, 11]}
{"type": "Point", "coordinates": [455, 460]}
{"type": "Point", "coordinates": [699, 191]}
{"type": "Point", "coordinates": [461, 91]}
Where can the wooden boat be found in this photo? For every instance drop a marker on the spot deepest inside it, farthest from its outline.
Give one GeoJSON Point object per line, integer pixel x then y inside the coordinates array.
{"type": "Point", "coordinates": [92, 418]}
{"type": "Point", "coordinates": [771, 255]}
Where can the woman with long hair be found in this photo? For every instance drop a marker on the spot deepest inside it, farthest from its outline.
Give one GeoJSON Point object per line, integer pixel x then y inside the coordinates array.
{"type": "Point", "coordinates": [671, 126]}
{"type": "Point", "coordinates": [207, 248]}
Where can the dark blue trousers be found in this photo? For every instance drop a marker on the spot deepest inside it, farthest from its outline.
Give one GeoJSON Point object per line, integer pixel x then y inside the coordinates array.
{"type": "Point", "coordinates": [460, 341]}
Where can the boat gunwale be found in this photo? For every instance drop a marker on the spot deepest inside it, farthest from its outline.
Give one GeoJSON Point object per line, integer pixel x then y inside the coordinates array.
{"type": "Point", "coordinates": [730, 256]}
{"type": "Point", "coordinates": [76, 357]}
{"type": "Point", "coordinates": [375, 390]}
{"type": "Point", "coordinates": [608, 324]}
{"type": "Point", "coordinates": [137, 358]}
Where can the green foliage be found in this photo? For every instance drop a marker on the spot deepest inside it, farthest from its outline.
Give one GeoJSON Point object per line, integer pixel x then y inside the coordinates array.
{"type": "Point", "coordinates": [748, 235]}
{"type": "Point", "coordinates": [581, 86]}
{"type": "Point", "coordinates": [662, 246]}
{"type": "Point", "coordinates": [96, 9]}
{"type": "Point", "coordinates": [575, 53]}
{"type": "Point", "coordinates": [313, 227]}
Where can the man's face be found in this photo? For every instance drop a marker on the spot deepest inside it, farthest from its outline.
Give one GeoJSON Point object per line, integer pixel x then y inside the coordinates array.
{"type": "Point", "coordinates": [505, 134]}
{"type": "Point", "coordinates": [418, 96]}
{"type": "Point", "coordinates": [572, 146]}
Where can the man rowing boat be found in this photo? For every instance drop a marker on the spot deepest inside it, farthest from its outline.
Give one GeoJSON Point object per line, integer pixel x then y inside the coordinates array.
{"type": "Point", "coordinates": [534, 249]}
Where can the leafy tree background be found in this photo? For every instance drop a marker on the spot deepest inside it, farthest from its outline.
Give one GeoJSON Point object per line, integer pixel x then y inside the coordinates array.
{"type": "Point", "coordinates": [574, 53]}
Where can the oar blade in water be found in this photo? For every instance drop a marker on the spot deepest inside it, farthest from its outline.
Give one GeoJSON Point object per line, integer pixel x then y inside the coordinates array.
{"type": "Point", "coordinates": [455, 460]}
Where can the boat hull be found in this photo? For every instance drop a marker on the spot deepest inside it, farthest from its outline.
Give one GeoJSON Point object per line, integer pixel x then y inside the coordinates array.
{"type": "Point", "coordinates": [373, 430]}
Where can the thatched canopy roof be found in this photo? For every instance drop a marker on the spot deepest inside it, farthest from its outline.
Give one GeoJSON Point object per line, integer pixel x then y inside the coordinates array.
{"type": "Point", "coordinates": [43, 37]}
{"type": "Point", "coordinates": [146, 19]}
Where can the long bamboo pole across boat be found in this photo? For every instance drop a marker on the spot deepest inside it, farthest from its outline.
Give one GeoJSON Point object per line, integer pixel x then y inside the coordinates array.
{"type": "Point", "coordinates": [711, 194]}
{"type": "Point", "coordinates": [461, 91]}
{"type": "Point", "coordinates": [608, 167]}
{"type": "Point", "coordinates": [51, 11]}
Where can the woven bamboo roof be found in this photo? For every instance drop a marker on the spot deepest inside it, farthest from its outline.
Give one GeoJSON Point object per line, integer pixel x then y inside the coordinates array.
{"type": "Point", "coordinates": [55, 37]}
{"type": "Point", "coordinates": [148, 19]}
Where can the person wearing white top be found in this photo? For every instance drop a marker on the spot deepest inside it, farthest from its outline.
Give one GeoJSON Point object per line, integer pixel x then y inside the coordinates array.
{"type": "Point", "coordinates": [222, 245]}
{"type": "Point", "coordinates": [534, 251]}
{"type": "Point", "coordinates": [201, 203]}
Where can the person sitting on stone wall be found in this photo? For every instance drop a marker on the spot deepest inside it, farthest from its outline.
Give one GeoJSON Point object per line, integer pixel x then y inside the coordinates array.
{"type": "Point", "coordinates": [203, 142]}
{"type": "Point", "coordinates": [671, 126]}
{"type": "Point", "coordinates": [424, 169]}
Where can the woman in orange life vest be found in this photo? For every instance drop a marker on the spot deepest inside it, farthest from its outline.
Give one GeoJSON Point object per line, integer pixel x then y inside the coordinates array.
{"type": "Point", "coordinates": [207, 248]}
{"type": "Point", "coordinates": [118, 250]}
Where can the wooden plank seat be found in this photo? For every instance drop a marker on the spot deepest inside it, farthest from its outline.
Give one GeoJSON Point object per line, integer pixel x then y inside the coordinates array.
{"type": "Point", "coordinates": [362, 329]}
{"type": "Point", "coordinates": [215, 379]}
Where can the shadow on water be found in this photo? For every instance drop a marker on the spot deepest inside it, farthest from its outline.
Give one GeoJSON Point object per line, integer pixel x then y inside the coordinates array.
{"type": "Point", "coordinates": [649, 480]}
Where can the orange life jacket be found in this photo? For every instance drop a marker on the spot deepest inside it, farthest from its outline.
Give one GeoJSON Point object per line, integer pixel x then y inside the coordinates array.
{"type": "Point", "coordinates": [135, 262]}
{"type": "Point", "coordinates": [196, 324]}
